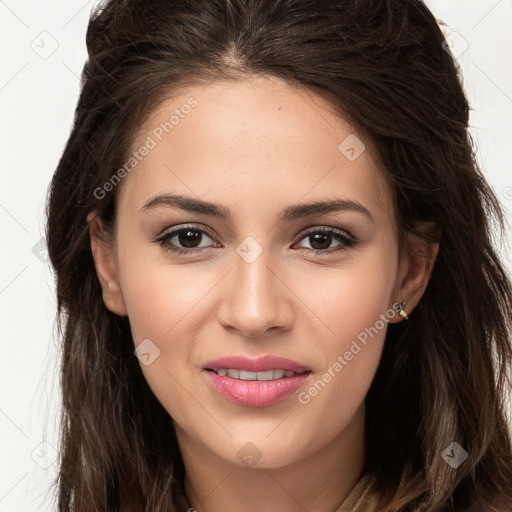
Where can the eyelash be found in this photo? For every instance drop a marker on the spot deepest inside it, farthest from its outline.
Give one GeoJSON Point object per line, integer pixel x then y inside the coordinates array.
{"type": "Point", "coordinates": [347, 241]}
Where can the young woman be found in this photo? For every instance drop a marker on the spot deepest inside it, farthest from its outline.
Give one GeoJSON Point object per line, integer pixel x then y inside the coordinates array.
{"type": "Point", "coordinates": [274, 266]}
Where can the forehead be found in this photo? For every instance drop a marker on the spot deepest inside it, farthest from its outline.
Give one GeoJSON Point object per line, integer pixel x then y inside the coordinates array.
{"type": "Point", "coordinates": [241, 139]}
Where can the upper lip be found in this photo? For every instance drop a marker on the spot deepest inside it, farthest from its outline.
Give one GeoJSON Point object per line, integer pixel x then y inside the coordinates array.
{"type": "Point", "coordinates": [259, 364]}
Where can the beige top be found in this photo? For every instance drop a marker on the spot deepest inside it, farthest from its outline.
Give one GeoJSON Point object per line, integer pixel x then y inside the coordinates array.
{"type": "Point", "coordinates": [359, 499]}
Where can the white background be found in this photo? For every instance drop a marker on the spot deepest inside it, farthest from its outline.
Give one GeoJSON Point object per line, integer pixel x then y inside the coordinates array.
{"type": "Point", "coordinates": [38, 95]}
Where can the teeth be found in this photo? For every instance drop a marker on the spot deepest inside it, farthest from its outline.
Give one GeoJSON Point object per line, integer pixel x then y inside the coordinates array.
{"type": "Point", "coordinates": [269, 375]}
{"type": "Point", "coordinates": [247, 375]}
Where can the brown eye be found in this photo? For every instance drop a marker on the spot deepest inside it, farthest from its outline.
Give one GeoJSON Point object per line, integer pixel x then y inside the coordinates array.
{"type": "Point", "coordinates": [184, 240]}
{"type": "Point", "coordinates": [188, 240]}
{"type": "Point", "coordinates": [320, 240]}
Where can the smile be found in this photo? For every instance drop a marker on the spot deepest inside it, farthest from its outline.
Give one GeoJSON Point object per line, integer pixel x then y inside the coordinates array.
{"type": "Point", "coordinates": [248, 375]}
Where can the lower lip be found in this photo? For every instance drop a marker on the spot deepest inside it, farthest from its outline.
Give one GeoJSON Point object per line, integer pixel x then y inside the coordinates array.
{"type": "Point", "coordinates": [255, 393]}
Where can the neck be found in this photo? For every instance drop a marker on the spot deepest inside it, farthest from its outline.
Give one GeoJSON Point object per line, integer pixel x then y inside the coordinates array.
{"type": "Point", "coordinates": [320, 481]}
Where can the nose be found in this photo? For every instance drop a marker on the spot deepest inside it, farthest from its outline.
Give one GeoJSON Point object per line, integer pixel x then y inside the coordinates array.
{"type": "Point", "coordinates": [256, 298]}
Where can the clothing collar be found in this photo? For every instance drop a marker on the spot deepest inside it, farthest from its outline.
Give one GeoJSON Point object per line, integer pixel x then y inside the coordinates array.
{"type": "Point", "coordinates": [359, 499]}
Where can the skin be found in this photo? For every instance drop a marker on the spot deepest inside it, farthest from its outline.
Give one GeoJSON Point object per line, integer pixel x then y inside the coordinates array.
{"type": "Point", "coordinates": [257, 146]}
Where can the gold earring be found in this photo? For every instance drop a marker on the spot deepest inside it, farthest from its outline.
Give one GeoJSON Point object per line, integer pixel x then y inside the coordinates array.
{"type": "Point", "coordinates": [401, 311]}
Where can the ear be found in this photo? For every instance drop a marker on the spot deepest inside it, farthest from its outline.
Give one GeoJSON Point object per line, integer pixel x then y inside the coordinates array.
{"type": "Point", "coordinates": [104, 260]}
{"type": "Point", "coordinates": [415, 268]}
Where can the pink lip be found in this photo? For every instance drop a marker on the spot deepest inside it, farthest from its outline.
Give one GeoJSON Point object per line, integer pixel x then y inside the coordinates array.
{"type": "Point", "coordinates": [260, 364]}
{"type": "Point", "coordinates": [254, 393]}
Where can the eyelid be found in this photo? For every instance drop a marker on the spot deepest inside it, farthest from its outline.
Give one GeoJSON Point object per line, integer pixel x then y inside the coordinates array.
{"type": "Point", "coordinates": [348, 239]}
{"type": "Point", "coordinates": [327, 229]}
{"type": "Point", "coordinates": [311, 229]}
{"type": "Point", "coordinates": [180, 227]}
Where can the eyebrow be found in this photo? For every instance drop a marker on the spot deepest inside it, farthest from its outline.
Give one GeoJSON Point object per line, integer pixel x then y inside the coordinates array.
{"type": "Point", "coordinates": [290, 213]}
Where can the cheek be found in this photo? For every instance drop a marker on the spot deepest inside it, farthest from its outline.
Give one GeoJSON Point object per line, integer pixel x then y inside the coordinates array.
{"type": "Point", "coordinates": [159, 296]}
{"type": "Point", "coordinates": [354, 305]}
{"type": "Point", "coordinates": [164, 305]}
{"type": "Point", "coordinates": [349, 299]}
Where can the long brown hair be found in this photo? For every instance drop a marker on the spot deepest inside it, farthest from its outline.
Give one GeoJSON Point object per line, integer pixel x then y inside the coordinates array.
{"type": "Point", "coordinates": [383, 66]}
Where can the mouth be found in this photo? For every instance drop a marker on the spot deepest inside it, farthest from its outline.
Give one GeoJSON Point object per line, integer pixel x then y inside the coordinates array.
{"type": "Point", "coordinates": [256, 382]}
{"type": "Point", "coordinates": [255, 389]}
{"type": "Point", "coordinates": [247, 375]}
{"type": "Point", "coordinates": [259, 368]}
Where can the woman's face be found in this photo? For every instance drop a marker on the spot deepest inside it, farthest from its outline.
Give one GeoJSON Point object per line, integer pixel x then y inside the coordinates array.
{"type": "Point", "coordinates": [257, 155]}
